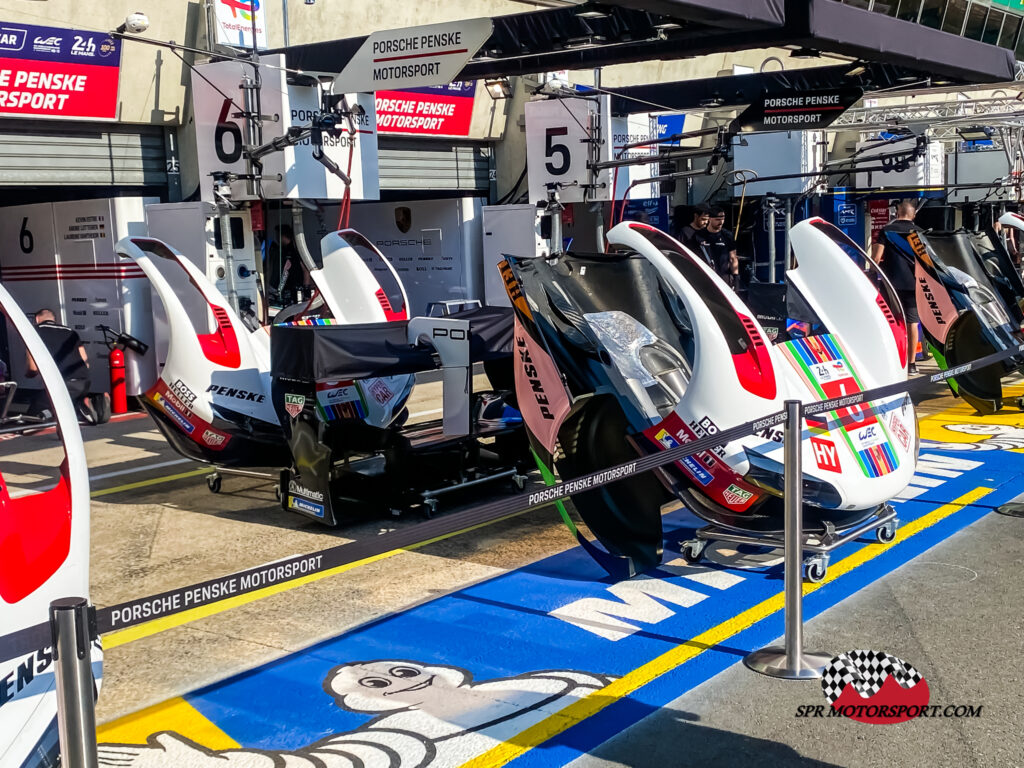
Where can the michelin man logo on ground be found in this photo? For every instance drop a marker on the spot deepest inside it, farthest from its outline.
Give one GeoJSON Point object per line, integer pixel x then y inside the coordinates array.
{"type": "Point", "coordinates": [995, 437]}
{"type": "Point", "coordinates": [424, 715]}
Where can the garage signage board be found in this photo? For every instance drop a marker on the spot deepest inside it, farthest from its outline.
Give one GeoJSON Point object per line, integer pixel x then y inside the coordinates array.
{"type": "Point", "coordinates": [234, 22]}
{"type": "Point", "coordinates": [796, 110]}
{"type": "Point", "coordinates": [559, 136]}
{"type": "Point", "coordinates": [436, 110]}
{"type": "Point", "coordinates": [217, 96]}
{"type": "Point", "coordinates": [55, 72]}
{"type": "Point", "coordinates": [413, 57]}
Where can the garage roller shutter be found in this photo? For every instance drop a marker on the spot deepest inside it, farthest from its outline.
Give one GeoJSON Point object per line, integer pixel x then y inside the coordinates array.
{"type": "Point", "coordinates": [418, 164]}
{"type": "Point", "coordinates": [49, 153]}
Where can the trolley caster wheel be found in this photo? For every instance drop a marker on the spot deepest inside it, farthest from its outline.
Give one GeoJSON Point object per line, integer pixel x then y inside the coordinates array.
{"type": "Point", "coordinates": [887, 533]}
{"type": "Point", "coordinates": [815, 569]}
{"type": "Point", "coordinates": [519, 481]}
{"type": "Point", "coordinates": [429, 507]}
{"type": "Point", "coordinates": [693, 551]}
{"type": "Point", "coordinates": [213, 483]}
{"type": "Point", "coordinates": [277, 492]}
{"type": "Point", "coordinates": [1020, 403]}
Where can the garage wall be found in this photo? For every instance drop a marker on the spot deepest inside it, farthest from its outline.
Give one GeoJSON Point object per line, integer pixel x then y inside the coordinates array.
{"type": "Point", "coordinates": [419, 164]}
{"type": "Point", "coordinates": [49, 153]}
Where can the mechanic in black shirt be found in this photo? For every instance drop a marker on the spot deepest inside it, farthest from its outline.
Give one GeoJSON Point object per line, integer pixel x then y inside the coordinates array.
{"type": "Point", "coordinates": [65, 347]}
{"type": "Point", "coordinates": [720, 247]}
{"type": "Point", "coordinates": [690, 235]}
{"type": "Point", "coordinates": [900, 272]}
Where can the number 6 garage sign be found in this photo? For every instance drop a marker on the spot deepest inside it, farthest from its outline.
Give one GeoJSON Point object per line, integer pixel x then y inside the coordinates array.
{"type": "Point", "coordinates": [560, 139]}
{"type": "Point", "coordinates": [293, 172]}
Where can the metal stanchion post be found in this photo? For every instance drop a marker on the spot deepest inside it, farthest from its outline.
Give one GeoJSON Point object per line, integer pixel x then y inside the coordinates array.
{"type": "Point", "coordinates": [791, 661]}
{"type": "Point", "coordinates": [76, 712]}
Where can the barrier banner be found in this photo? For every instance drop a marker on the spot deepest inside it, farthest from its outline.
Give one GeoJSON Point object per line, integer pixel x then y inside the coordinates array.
{"type": "Point", "coordinates": [58, 73]}
{"type": "Point", "coordinates": [433, 110]}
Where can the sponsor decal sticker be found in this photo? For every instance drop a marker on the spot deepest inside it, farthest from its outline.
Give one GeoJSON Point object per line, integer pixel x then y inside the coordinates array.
{"type": "Point", "coordinates": [865, 437]}
{"type": "Point", "coordinates": [214, 439]}
{"type": "Point", "coordinates": [294, 404]}
{"type": "Point", "coordinates": [301, 490]}
{"type": "Point", "coordinates": [666, 439]}
{"type": "Point", "coordinates": [380, 391]}
{"type": "Point", "coordinates": [698, 472]}
{"type": "Point", "coordinates": [174, 413]}
{"type": "Point", "coordinates": [302, 505]}
{"type": "Point", "coordinates": [736, 496]}
{"type": "Point", "coordinates": [825, 454]}
{"type": "Point", "coordinates": [238, 394]}
{"type": "Point", "coordinates": [183, 393]}
{"type": "Point", "coordinates": [899, 431]}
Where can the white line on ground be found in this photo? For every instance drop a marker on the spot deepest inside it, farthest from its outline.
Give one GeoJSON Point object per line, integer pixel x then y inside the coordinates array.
{"type": "Point", "coordinates": [143, 468]}
{"type": "Point", "coordinates": [431, 412]}
{"type": "Point", "coordinates": [19, 492]}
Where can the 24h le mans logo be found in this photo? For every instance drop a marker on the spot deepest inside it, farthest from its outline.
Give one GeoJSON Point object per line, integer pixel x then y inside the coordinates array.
{"type": "Point", "coordinates": [294, 404]}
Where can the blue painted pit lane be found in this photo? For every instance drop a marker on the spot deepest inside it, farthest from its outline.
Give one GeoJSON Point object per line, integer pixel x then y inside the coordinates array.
{"type": "Point", "coordinates": [507, 656]}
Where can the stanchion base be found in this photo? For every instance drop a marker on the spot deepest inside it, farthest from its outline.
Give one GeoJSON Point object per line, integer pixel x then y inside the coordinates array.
{"type": "Point", "coordinates": [772, 662]}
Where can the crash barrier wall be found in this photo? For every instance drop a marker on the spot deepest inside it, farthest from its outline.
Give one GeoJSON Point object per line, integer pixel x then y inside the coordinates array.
{"type": "Point", "coordinates": [145, 609]}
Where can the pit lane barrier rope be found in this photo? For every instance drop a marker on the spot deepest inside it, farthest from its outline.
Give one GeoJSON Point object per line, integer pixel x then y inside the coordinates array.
{"type": "Point", "coordinates": [145, 609]}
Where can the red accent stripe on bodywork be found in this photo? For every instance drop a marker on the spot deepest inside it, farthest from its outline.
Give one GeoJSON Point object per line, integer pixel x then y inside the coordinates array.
{"type": "Point", "coordinates": [35, 537]}
{"type": "Point", "coordinates": [754, 366]}
{"type": "Point", "coordinates": [221, 346]}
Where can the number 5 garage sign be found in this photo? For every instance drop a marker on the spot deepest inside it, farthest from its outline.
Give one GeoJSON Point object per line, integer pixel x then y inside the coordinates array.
{"type": "Point", "coordinates": [561, 136]}
{"type": "Point", "coordinates": [58, 73]}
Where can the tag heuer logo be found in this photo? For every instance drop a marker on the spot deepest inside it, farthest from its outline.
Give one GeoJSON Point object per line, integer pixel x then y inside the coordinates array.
{"type": "Point", "coordinates": [735, 495]}
{"type": "Point", "coordinates": [294, 404]}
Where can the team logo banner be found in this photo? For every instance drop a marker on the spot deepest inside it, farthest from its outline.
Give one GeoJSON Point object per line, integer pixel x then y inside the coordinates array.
{"type": "Point", "coordinates": [58, 73]}
{"type": "Point", "coordinates": [235, 23]}
{"type": "Point", "coordinates": [434, 110]}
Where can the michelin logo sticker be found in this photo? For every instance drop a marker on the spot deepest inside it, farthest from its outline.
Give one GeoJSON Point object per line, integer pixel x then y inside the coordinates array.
{"type": "Point", "coordinates": [302, 505]}
{"type": "Point", "coordinates": [175, 414]}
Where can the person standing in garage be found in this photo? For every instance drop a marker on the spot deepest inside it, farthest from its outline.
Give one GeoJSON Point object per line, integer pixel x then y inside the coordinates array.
{"type": "Point", "coordinates": [67, 351]}
{"type": "Point", "coordinates": [900, 272]}
{"type": "Point", "coordinates": [690, 235]}
{"type": "Point", "coordinates": [720, 247]}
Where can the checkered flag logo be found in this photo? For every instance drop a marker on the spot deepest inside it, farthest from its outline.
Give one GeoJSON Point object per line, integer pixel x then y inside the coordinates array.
{"type": "Point", "coordinates": [867, 671]}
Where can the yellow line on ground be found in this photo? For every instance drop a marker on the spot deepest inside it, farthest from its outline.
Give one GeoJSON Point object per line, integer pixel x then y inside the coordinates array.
{"type": "Point", "coordinates": [589, 706]}
{"type": "Point", "coordinates": [151, 481]}
{"type": "Point", "coordinates": [131, 634]}
{"type": "Point", "coordinates": [174, 715]}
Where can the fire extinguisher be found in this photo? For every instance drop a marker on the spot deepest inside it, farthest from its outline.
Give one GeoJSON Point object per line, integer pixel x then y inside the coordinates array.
{"type": "Point", "coordinates": [117, 343]}
{"type": "Point", "coordinates": [118, 390]}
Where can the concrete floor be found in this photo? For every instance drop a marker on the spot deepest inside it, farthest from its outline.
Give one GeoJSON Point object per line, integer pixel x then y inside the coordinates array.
{"type": "Point", "coordinates": [148, 538]}
{"type": "Point", "coordinates": [950, 613]}
{"type": "Point", "coordinates": [173, 533]}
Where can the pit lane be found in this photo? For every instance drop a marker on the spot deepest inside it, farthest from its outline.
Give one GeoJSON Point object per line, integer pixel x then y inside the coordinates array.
{"type": "Point", "coordinates": [156, 526]}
